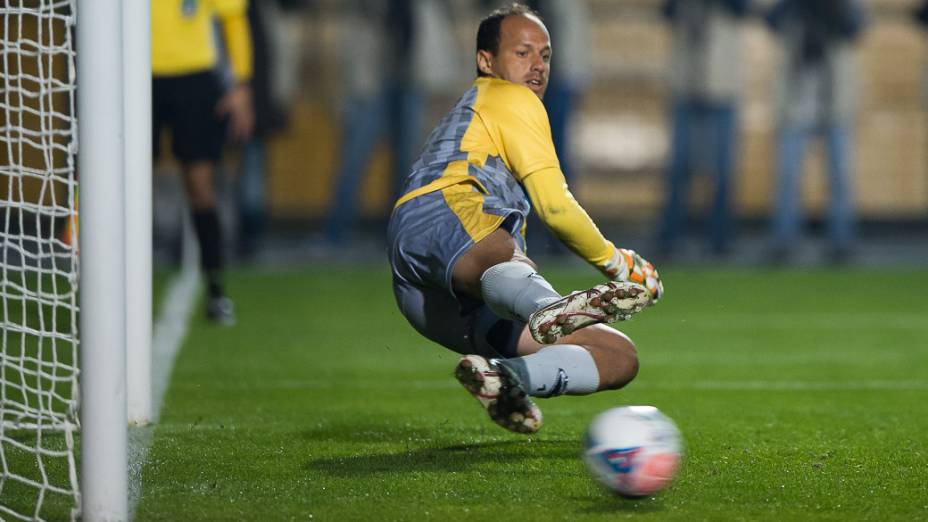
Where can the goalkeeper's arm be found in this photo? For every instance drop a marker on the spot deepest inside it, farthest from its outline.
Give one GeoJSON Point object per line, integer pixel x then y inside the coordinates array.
{"type": "Point", "coordinates": [563, 215]}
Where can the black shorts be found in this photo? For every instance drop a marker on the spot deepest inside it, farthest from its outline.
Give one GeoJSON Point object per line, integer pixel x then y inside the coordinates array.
{"type": "Point", "coordinates": [187, 106]}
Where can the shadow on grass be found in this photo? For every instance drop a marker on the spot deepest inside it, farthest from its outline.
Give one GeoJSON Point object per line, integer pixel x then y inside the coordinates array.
{"type": "Point", "coordinates": [369, 433]}
{"type": "Point", "coordinates": [457, 457]}
{"type": "Point", "coordinates": [609, 503]}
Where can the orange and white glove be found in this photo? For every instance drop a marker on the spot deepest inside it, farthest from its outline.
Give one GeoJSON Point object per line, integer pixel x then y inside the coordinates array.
{"type": "Point", "coordinates": [627, 265]}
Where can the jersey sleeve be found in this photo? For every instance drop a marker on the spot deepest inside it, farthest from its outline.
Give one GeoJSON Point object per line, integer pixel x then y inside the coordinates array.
{"type": "Point", "coordinates": [237, 36]}
{"type": "Point", "coordinates": [518, 124]}
{"type": "Point", "coordinates": [562, 214]}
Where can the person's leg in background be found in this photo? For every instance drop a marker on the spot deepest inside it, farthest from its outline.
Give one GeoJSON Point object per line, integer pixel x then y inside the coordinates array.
{"type": "Point", "coordinates": [786, 222]}
{"type": "Point", "coordinates": [199, 182]}
{"type": "Point", "coordinates": [406, 106]}
{"type": "Point", "coordinates": [677, 177]}
{"type": "Point", "coordinates": [198, 136]}
{"type": "Point", "coordinates": [724, 147]}
{"type": "Point", "coordinates": [252, 197]}
{"type": "Point", "coordinates": [841, 218]}
{"type": "Point", "coordinates": [362, 126]}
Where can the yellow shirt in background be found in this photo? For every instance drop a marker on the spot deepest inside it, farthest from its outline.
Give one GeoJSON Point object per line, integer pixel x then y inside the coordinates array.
{"type": "Point", "coordinates": [183, 37]}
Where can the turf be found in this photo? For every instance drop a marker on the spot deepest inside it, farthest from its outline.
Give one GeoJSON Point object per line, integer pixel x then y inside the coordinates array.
{"type": "Point", "coordinates": [800, 394]}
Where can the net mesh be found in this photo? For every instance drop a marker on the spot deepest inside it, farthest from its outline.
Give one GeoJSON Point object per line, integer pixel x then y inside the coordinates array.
{"type": "Point", "coordinates": [38, 261]}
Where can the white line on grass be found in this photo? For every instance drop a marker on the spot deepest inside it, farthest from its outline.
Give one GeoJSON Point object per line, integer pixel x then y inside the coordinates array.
{"type": "Point", "coordinates": [167, 336]}
{"type": "Point", "coordinates": [728, 320]}
{"type": "Point", "coordinates": [169, 332]}
{"type": "Point", "coordinates": [761, 385]}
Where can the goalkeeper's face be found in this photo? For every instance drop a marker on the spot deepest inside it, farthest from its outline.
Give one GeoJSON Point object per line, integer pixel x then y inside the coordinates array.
{"type": "Point", "coordinates": [524, 54]}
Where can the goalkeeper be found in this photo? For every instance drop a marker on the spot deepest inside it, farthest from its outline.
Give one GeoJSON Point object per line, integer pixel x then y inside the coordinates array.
{"type": "Point", "coordinates": [456, 244]}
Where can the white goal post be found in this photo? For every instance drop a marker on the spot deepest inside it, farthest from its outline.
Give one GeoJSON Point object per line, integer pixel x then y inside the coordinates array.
{"type": "Point", "coordinates": [104, 437]}
{"type": "Point", "coordinates": [75, 104]}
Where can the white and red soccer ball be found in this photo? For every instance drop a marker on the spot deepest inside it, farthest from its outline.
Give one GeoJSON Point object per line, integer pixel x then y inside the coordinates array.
{"type": "Point", "coordinates": [634, 451]}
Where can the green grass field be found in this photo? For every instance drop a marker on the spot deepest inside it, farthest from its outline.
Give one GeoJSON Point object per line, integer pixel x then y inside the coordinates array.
{"type": "Point", "coordinates": [800, 395]}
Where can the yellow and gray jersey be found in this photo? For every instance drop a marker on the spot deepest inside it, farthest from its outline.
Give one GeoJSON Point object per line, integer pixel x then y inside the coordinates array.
{"type": "Point", "coordinates": [482, 165]}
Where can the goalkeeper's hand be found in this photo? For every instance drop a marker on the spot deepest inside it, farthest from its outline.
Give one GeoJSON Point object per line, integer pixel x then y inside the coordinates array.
{"type": "Point", "coordinates": [627, 265]}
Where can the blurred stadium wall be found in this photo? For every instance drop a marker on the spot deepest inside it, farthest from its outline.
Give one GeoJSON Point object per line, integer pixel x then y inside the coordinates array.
{"type": "Point", "coordinates": [620, 136]}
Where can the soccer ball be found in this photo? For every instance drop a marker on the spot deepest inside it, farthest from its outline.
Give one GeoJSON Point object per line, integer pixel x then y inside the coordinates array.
{"type": "Point", "coordinates": [633, 450]}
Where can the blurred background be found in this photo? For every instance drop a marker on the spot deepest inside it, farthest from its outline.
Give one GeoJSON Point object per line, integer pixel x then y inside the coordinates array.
{"type": "Point", "coordinates": [650, 110]}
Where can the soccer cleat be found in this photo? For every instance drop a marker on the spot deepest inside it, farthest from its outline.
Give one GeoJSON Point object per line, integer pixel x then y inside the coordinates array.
{"type": "Point", "coordinates": [500, 393]}
{"type": "Point", "coordinates": [221, 311]}
{"type": "Point", "coordinates": [606, 303]}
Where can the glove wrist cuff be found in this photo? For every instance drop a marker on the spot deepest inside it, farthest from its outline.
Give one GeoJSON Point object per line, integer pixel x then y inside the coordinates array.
{"type": "Point", "coordinates": [616, 268]}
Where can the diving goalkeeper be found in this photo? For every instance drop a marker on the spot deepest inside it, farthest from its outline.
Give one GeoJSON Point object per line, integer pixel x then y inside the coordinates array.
{"type": "Point", "coordinates": [457, 250]}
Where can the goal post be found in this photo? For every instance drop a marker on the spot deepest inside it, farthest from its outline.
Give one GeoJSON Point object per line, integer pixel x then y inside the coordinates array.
{"type": "Point", "coordinates": [138, 171]}
{"type": "Point", "coordinates": [69, 303]}
{"type": "Point", "coordinates": [104, 437]}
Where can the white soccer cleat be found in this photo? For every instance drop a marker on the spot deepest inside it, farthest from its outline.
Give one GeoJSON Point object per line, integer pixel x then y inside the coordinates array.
{"type": "Point", "coordinates": [220, 311]}
{"type": "Point", "coordinates": [499, 393]}
{"type": "Point", "coordinates": [606, 303]}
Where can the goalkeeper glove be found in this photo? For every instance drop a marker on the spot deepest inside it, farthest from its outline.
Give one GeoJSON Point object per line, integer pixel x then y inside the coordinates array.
{"type": "Point", "coordinates": [627, 265]}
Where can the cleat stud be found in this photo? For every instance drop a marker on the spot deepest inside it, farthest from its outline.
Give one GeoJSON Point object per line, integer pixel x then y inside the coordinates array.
{"type": "Point", "coordinates": [608, 296]}
{"type": "Point", "coordinates": [597, 302]}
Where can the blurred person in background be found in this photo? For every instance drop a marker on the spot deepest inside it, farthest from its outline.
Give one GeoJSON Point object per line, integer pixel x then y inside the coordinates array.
{"type": "Point", "coordinates": [190, 98]}
{"type": "Point", "coordinates": [457, 247]}
{"type": "Point", "coordinates": [817, 97]}
{"type": "Point", "coordinates": [386, 58]}
{"type": "Point", "coordinates": [705, 85]}
{"type": "Point", "coordinates": [920, 14]}
{"type": "Point", "coordinates": [396, 54]}
{"type": "Point", "coordinates": [276, 46]}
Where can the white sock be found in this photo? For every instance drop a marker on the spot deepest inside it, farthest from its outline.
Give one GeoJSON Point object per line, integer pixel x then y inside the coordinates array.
{"type": "Point", "coordinates": [555, 370]}
{"type": "Point", "coordinates": [513, 290]}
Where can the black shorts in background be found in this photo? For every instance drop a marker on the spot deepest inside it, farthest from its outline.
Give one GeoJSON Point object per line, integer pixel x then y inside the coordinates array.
{"type": "Point", "coordinates": [187, 106]}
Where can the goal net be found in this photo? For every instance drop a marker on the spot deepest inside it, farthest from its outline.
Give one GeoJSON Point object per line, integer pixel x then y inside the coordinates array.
{"type": "Point", "coordinates": [38, 261]}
